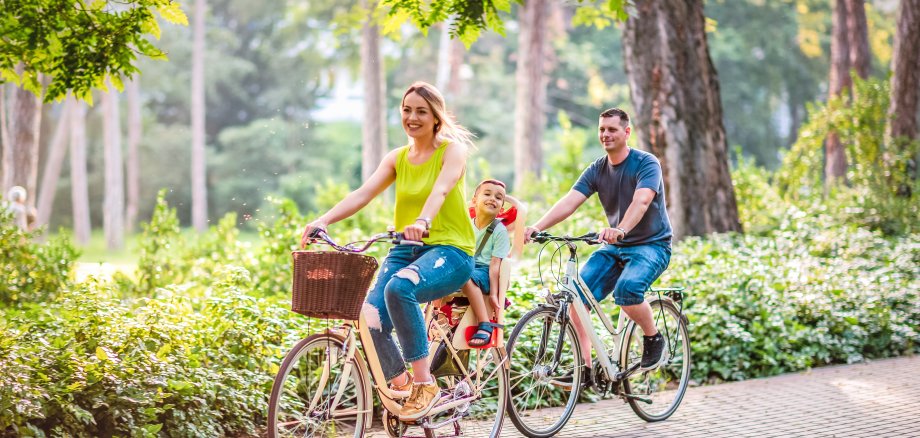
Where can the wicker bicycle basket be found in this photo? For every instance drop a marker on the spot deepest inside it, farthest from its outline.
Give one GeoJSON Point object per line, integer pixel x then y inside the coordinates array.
{"type": "Point", "coordinates": [331, 284]}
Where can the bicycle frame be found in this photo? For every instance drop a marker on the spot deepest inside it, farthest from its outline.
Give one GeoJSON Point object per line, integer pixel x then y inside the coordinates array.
{"type": "Point", "coordinates": [379, 381]}
{"type": "Point", "coordinates": [576, 289]}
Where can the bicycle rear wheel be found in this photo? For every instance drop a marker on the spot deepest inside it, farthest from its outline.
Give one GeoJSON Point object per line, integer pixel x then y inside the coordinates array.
{"type": "Point", "coordinates": [538, 407]}
{"type": "Point", "coordinates": [311, 380]}
{"type": "Point", "coordinates": [483, 416]}
{"type": "Point", "coordinates": [654, 395]}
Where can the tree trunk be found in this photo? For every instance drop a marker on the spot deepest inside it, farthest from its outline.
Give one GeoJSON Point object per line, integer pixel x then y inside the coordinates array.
{"type": "Point", "coordinates": [20, 155]}
{"type": "Point", "coordinates": [199, 166]}
{"type": "Point", "coordinates": [858, 33]}
{"type": "Point", "coordinates": [530, 91]}
{"type": "Point", "coordinates": [113, 214]}
{"type": "Point", "coordinates": [132, 166]}
{"type": "Point", "coordinates": [4, 134]}
{"type": "Point", "coordinates": [905, 82]}
{"type": "Point", "coordinates": [79, 188]}
{"type": "Point", "coordinates": [675, 93]}
{"type": "Point", "coordinates": [57, 149]}
{"type": "Point", "coordinates": [835, 160]}
{"type": "Point", "coordinates": [373, 131]}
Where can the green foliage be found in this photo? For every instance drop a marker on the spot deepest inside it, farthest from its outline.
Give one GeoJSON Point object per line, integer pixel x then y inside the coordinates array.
{"type": "Point", "coordinates": [156, 266]}
{"type": "Point", "coordinates": [468, 18]}
{"type": "Point", "coordinates": [88, 365]}
{"type": "Point", "coordinates": [32, 272]}
{"type": "Point", "coordinates": [807, 294]}
{"type": "Point", "coordinates": [760, 208]}
{"type": "Point", "coordinates": [877, 167]}
{"type": "Point", "coordinates": [78, 45]}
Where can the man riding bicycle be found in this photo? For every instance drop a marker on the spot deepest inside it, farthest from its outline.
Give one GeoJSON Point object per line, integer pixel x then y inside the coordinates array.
{"type": "Point", "coordinates": [630, 186]}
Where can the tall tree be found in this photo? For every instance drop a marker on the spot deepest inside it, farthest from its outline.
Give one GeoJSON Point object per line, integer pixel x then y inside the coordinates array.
{"type": "Point", "coordinates": [20, 154]}
{"type": "Point", "coordinates": [79, 187]}
{"type": "Point", "coordinates": [373, 130]}
{"type": "Point", "coordinates": [530, 91]}
{"type": "Point", "coordinates": [849, 53]}
{"type": "Point", "coordinates": [199, 166]}
{"type": "Point", "coordinates": [678, 112]}
{"type": "Point", "coordinates": [132, 164]}
{"type": "Point", "coordinates": [905, 82]}
{"type": "Point", "coordinates": [113, 214]}
{"type": "Point", "coordinates": [57, 149]}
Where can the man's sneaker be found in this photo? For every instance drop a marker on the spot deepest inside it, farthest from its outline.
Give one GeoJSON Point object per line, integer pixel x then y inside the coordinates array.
{"type": "Point", "coordinates": [424, 397]}
{"type": "Point", "coordinates": [653, 352]}
{"type": "Point", "coordinates": [565, 381]}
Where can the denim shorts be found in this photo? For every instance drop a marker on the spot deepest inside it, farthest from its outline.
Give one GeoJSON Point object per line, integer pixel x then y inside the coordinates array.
{"type": "Point", "coordinates": [480, 277]}
{"type": "Point", "coordinates": [627, 271]}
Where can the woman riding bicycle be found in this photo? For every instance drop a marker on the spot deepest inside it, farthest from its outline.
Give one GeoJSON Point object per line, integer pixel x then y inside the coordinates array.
{"type": "Point", "coordinates": [429, 176]}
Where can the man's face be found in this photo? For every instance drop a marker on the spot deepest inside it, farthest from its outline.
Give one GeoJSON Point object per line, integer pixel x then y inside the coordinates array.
{"type": "Point", "coordinates": [611, 133]}
{"type": "Point", "coordinates": [489, 199]}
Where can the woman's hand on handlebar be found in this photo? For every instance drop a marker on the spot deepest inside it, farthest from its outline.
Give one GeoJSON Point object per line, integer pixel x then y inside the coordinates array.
{"type": "Point", "coordinates": [306, 237]}
{"type": "Point", "coordinates": [415, 231]}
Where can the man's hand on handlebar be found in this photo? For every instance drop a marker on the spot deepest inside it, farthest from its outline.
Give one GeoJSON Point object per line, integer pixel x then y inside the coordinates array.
{"type": "Point", "coordinates": [610, 235]}
{"type": "Point", "coordinates": [529, 232]}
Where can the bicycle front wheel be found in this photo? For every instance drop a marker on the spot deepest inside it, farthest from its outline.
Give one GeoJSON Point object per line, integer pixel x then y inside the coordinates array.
{"type": "Point", "coordinates": [318, 392]}
{"type": "Point", "coordinates": [546, 373]}
{"type": "Point", "coordinates": [654, 395]}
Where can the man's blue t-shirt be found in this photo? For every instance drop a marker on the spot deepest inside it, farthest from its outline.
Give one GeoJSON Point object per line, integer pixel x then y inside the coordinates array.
{"type": "Point", "coordinates": [615, 186]}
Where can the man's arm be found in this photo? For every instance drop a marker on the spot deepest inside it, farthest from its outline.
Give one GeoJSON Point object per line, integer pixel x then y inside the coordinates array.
{"type": "Point", "coordinates": [642, 198]}
{"type": "Point", "coordinates": [558, 213]}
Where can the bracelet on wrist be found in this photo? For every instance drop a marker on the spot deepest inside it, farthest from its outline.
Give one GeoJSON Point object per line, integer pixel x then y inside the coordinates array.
{"type": "Point", "coordinates": [622, 231]}
{"type": "Point", "coordinates": [426, 220]}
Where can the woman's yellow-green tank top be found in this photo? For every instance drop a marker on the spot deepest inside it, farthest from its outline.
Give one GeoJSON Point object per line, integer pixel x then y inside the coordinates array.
{"type": "Point", "coordinates": [451, 226]}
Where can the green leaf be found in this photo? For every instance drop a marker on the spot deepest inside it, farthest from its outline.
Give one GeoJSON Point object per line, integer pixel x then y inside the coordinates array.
{"type": "Point", "coordinates": [393, 22]}
{"type": "Point", "coordinates": [151, 26]}
{"type": "Point", "coordinates": [101, 354]}
{"type": "Point", "coordinates": [173, 13]}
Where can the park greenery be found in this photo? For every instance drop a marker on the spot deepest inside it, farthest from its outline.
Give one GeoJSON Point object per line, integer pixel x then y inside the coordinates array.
{"type": "Point", "coordinates": [186, 340]}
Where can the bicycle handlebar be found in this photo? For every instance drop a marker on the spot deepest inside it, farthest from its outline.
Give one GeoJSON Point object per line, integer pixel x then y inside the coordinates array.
{"type": "Point", "coordinates": [393, 237]}
{"type": "Point", "coordinates": [544, 237]}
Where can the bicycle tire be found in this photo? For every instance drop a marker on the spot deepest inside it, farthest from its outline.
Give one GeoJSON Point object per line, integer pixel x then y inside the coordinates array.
{"type": "Point", "coordinates": [483, 417]}
{"type": "Point", "coordinates": [666, 385]}
{"type": "Point", "coordinates": [290, 391]}
{"type": "Point", "coordinates": [522, 366]}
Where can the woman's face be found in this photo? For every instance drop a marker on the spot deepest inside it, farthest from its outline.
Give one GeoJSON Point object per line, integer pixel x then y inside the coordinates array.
{"type": "Point", "coordinates": [417, 118]}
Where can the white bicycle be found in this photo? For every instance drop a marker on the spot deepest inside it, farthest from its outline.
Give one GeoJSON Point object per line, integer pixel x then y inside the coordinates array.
{"type": "Point", "coordinates": [544, 348]}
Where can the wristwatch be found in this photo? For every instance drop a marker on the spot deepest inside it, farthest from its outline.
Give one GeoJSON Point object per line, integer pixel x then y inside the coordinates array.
{"type": "Point", "coordinates": [426, 220]}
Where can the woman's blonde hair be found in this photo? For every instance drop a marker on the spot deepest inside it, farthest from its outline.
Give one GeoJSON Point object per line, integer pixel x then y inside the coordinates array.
{"type": "Point", "coordinates": [445, 127]}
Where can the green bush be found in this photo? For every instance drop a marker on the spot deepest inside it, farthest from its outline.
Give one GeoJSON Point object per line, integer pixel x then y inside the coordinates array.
{"type": "Point", "coordinates": [805, 295]}
{"type": "Point", "coordinates": [89, 365]}
{"type": "Point", "coordinates": [32, 272]}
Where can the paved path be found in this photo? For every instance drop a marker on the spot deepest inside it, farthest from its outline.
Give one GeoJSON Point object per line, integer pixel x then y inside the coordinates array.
{"type": "Point", "coordinates": [876, 399]}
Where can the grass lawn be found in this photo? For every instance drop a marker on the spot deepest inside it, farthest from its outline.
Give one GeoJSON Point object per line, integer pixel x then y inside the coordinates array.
{"type": "Point", "coordinates": [96, 251]}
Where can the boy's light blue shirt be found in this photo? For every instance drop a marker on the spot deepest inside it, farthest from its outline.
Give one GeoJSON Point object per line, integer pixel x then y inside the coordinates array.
{"type": "Point", "coordinates": [499, 245]}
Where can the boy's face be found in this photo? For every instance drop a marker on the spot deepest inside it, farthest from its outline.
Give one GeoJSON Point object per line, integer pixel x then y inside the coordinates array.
{"type": "Point", "coordinates": [489, 199]}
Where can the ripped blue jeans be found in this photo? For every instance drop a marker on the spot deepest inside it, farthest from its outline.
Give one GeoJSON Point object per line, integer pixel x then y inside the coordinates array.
{"type": "Point", "coordinates": [410, 275]}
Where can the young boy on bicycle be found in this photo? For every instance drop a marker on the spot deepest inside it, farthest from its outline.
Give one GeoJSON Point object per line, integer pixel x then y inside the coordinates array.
{"type": "Point", "coordinates": [492, 245]}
